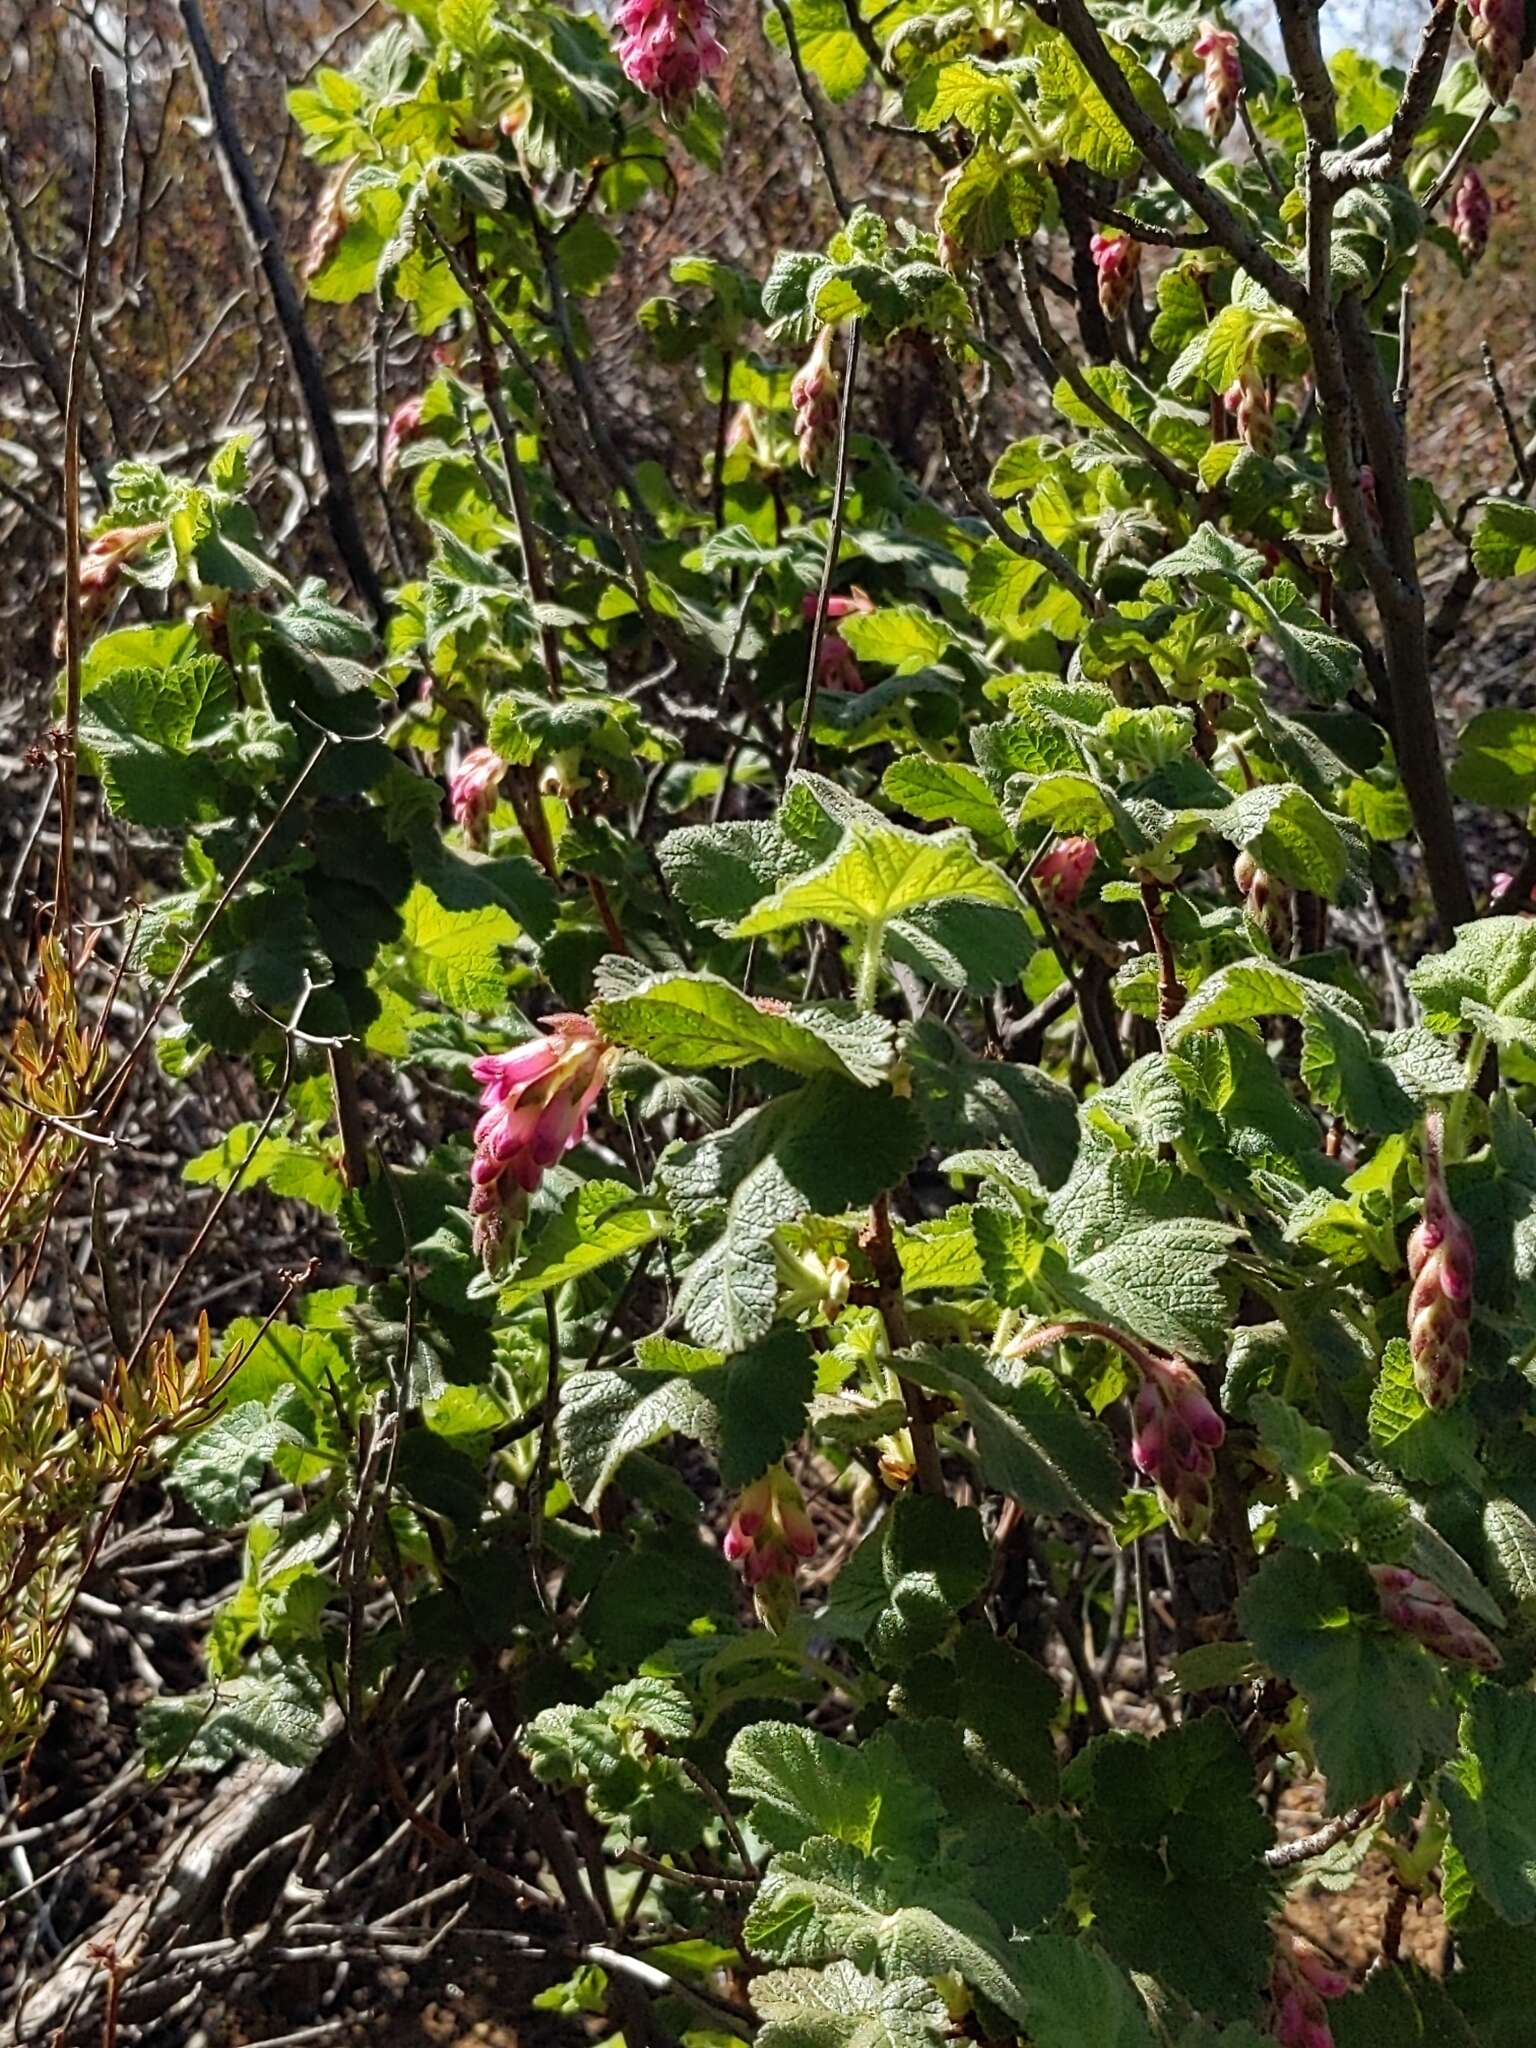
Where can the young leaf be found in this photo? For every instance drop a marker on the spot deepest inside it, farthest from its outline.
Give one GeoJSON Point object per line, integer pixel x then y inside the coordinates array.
{"type": "Point", "coordinates": [697, 1020]}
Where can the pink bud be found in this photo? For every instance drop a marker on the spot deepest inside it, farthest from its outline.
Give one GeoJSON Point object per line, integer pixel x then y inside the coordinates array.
{"type": "Point", "coordinates": [1223, 78]}
{"type": "Point", "coordinates": [1495, 29]}
{"type": "Point", "coordinates": [472, 791]}
{"type": "Point", "coordinates": [1061, 871]}
{"type": "Point", "coordinates": [1175, 1433]}
{"type": "Point", "coordinates": [1471, 215]}
{"type": "Point", "coordinates": [1442, 1263]}
{"type": "Point", "coordinates": [328, 227]}
{"type": "Point", "coordinates": [1117, 258]}
{"type": "Point", "coordinates": [1420, 1609]}
{"type": "Point", "coordinates": [404, 425]}
{"type": "Point", "coordinates": [1248, 402]}
{"type": "Point", "coordinates": [813, 394]}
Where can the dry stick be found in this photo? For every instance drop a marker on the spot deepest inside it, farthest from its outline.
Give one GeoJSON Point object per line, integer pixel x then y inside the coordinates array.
{"type": "Point", "coordinates": [340, 505]}
{"type": "Point", "coordinates": [74, 402]}
{"type": "Point", "coordinates": [1260, 154]}
{"type": "Point", "coordinates": [829, 560]}
{"type": "Point", "coordinates": [1506, 418]}
{"type": "Point", "coordinates": [1286, 1855]}
{"type": "Point", "coordinates": [490, 386]}
{"type": "Point", "coordinates": [812, 110]}
{"type": "Point", "coordinates": [1457, 158]}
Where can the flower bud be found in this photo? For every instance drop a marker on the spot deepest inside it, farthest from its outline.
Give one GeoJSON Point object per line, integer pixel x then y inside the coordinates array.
{"type": "Point", "coordinates": [472, 791]}
{"type": "Point", "coordinates": [814, 397]}
{"type": "Point", "coordinates": [836, 667]}
{"type": "Point", "coordinates": [404, 425]}
{"type": "Point", "coordinates": [1223, 78]}
{"type": "Point", "coordinates": [1248, 402]}
{"type": "Point", "coordinates": [1471, 214]}
{"type": "Point", "coordinates": [1442, 1263]}
{"type": "Point", "coordinates": [1175, 1434]}
{"type": "Point", "coordinates": [1061, 871]}
{"type": "Point", "coordinates": [534, 1105]}
{"type": "Point", "coordinates": [668, 48]}
{"type": "Point", "coordinates": [1495, 29]}
{"type": "Point", "coordinates": [1117, 258]}
{"type": "Point", "coordinates": [1367, 492]}
{"type": "Point", "coordinates": [770, 1532]}
{"type": "Point", "coordinates": [329, 225]}
{"type": "Point", "coordinates": [1264, 899]}
{"type": "Point", "coordinates": [1300, 1980]}
{"type": "Point", "coordinates": [1420, 1609]}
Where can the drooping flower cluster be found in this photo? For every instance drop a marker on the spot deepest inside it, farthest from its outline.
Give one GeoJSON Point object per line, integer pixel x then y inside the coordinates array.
{"type": "Point", "coordinates": [668, 48]}
{"type": "Point", "coordinates": [472, 791]}
{"type": "Point", "coordinates": [1420, 1609]}
{"type": "Point", "coordinates": [1248, 402]}
{"type": "Point", "coordinates": [1471, 215]}
{"type": "Point", "coordinates": [404, 425]}
{"type": "Point", "coordinates": [1442, 1263]}
{"type": "Point", "coordinates": [1496, 29]}
{"type": "Point", "coordinates": [1300, 1980]}
{"type": "Point", "coordinates": [770, 1534]}
{"type": "Point", "coordinates": [1175, 1434]}
{"type": "Point", "coordinates": [1117, 258]}
{"type": "Point", "coordinates": [813, 394]}
{"type": "Point", "coordinates": [836, 668]}
{"type": "Point", "coordinates": [1223, 78]}
{"type": "Point", "coordinates": [1061, 871]}
{"type": "Point", "coordinates": [534, 1102]}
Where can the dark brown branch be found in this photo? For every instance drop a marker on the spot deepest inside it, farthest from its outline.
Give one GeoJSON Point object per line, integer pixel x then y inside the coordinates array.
{"type": "Point", "coordinates": [74, 401]}
{"type": "Point", "coordinates": [304, 360]}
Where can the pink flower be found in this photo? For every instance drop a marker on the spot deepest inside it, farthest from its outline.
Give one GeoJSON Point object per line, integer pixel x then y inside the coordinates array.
{"type": "Point", "coordinates": [1420, 1609]}
{"type": "Point", "coordinates": [472, 791]}
{"type": "Point", "coordinates": [814, 397]}
{"type": "Point", "coordinates": [1223, 78]}
{"type": "Point", "coordinates": [836, 667]}
{"type": "Point", "coordinates": [109, 554]}
{"type": "Point", "coordinates": [534, 1106]}
{"type": "Point", "coordinates": [1300, 1980]}
{"type": "Point", "coordinates": [1060, 872]}
{"type": "Point", "coordinates": [404, 425]}
{"type": "Point", "coordinates": [1117, 258]}
{"type": "Point", "coordinates": [1471, 215]}
{"type": "Point", "coordinates": [1442, 1263]}
{"type": "Point", "coordinates": [1175, 1433]}
{"type": "Point", "coordinates": [1496, 30]}
{"type": "Point", "coordinates": [1503, 883]}
{"type": "Point", "coordinates": [770, 1531]}
{"type": "Point", "coordinates": [668, 48]}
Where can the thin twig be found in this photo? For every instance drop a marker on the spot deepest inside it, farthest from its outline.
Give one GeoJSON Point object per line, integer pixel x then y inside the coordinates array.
{"type": "Point", "coordinates": [813, 115]}
{"type": "Point", "coordinates": [69, 744]}
{"type": "Point", "coordinates": [1255, 143]}
{"type": "Point", "coordinates": [834, 541]}
{"type": "Point", "coordinates": [1506, 418]}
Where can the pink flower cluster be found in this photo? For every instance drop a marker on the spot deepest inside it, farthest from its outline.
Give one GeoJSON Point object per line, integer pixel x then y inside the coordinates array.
{"type": "Point", "coordinates": [668, 48]}
{"type": "Point", "coordinates": [328, 226]}
{"type": "Point", "coordinates": [1061, 871]}
{"type": "Point", "coordinates": [836, 668]}
{"type": "Point", "coordinates": [533, 1102]}
{"type": "Point", "coordinates": [1442, 1263]}
{"type": "Point", "coordinates": [404, 425]}
{"type": "Point", "coordinates": [1496, 30]}
{"type": "Point", "coordinates": [1421, 1610]}
{"type": "Point", "coordinates": [1117, 258]}
{"type": "Point", "coordinates": [1471, 215]}
{"type": "Point", "coordinates": [1175, 1434]}
{"type": "Point", "coordinates": [1300, 1980]}
{"type": "Point", "coordinates": [1223, 78]}
{"type": "Point", "coordinates": [472, 791]}
{"type": "Point", "coordinates": [770, 1532]}
{"type": "Point", "coordinates": [1248, 402]}
{"type": "Point", "coordinates": [814, 397]}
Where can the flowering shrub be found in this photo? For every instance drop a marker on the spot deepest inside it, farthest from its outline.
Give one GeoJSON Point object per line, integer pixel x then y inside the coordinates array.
{"type": "Point", "coordinates": [1005, 1113]}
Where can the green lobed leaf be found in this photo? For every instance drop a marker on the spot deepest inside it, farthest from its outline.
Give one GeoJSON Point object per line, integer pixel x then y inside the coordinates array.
{"type": "Point", "coordinates": [697, 1020]}
{"type": "Point", "coordinates": [599, 1221]}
